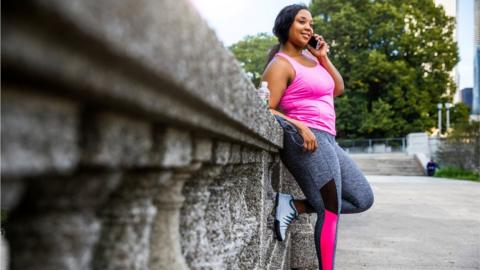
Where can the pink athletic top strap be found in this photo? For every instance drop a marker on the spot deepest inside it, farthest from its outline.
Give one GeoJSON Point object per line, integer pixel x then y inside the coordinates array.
{"type": "Point", "coordinates": [309, 97]}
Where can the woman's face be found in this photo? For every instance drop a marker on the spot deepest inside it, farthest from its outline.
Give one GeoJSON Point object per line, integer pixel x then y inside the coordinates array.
{"type": "Point", "coordinates": [301, 29]}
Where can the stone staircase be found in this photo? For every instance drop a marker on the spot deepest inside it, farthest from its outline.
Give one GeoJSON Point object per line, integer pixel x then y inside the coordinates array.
{"type": "Point", "coordinates": [388, 164]}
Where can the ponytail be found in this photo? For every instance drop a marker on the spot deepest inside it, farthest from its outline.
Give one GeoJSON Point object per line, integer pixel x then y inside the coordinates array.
{"type": "Point", "coordinates": [274, 50]}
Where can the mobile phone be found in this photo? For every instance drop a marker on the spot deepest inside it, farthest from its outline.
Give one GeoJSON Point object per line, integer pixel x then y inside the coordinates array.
{"type": "Point", "coordinates": [313, 42]}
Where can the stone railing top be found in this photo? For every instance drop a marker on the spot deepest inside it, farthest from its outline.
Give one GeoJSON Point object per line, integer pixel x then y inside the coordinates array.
{"type": "Point", "coordinates": [152, 57]}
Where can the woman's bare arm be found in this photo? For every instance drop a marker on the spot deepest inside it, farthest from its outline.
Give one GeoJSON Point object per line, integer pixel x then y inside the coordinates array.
{"type": "Point", "coordinates": [277, 74]}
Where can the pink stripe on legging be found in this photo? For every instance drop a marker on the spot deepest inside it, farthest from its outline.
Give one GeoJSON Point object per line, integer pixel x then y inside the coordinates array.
{"type": "Point", "coordinates": [327, 239]}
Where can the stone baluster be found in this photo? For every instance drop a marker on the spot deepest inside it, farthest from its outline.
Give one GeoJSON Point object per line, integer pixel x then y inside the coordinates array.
{"type": "Point", "coordinates": [175, 151]}
{"type": "Point", "coordinates": [125, 144]}
{"type": "Point", "coordinates": [165, 239]}
{"type": "Point", "coordinates": [55, 226]}
{"type": "Point", "coordinates": [127, 222]}
{"type": "Point", "coordinates": [195, 245]}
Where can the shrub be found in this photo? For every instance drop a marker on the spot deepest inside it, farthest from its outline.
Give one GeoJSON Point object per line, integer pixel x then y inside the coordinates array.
{"type": "Point", "coordinates": [462, 148]}
{"type": "Point", "coordinates": [457, 173]}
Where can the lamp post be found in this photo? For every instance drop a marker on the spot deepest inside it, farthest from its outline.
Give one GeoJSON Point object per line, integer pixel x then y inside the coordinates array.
{"type": "Point", "coordinates": [448, 106]}
{"type": "Point", "coordinates": [439, 107]}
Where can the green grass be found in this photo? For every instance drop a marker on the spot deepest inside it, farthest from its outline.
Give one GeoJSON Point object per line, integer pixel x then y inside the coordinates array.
{"type": "Point", "coordinates": [457, 173]}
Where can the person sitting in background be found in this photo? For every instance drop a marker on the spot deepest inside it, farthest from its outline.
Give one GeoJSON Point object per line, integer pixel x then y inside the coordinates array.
{"type": "Point", "coordinates": [431, 167]}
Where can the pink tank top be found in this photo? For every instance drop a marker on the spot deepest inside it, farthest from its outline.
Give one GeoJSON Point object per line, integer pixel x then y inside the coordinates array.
{"type": "Point", "coordinates": [309, 97]}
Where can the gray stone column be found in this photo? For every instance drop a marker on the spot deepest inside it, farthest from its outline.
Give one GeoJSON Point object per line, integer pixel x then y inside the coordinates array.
{"type": "Point", "coordinates": [55, 226]}
{"type": "Point", "coordinates": [217, 221]}
{"type": "Point", "coordinates": [174, 150]}
{"type": "Point", "coordinates": [165, 238]}
{"type": "Point", "coordinates": [195, 245]}
{"type": "Point", "coordinates": [127, 222]}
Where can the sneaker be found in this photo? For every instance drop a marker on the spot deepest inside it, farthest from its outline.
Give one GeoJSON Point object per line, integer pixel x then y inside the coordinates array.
{"type": "Point", "coordinates": [285, 213]}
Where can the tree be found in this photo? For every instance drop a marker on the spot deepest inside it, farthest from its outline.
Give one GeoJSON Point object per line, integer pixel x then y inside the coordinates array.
{"type": "Point", "coordinates": [460, 114]}
{"type": "Point", "coordinates": [252, 52]}
{"type": "Point", "coordinates": [462, 147]}
{"type": "Point", "coordinates": [395, 58]}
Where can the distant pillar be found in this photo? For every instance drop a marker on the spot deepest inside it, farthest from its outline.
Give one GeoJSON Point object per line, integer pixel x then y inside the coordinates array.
{"type": "Point", "coordinates": [448, 106]}
{"type": "Point", "coordinates": [439, 107]}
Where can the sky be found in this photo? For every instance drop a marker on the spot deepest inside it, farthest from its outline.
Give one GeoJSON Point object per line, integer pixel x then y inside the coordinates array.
{"type": "Point", "coordinates": [232, 20]}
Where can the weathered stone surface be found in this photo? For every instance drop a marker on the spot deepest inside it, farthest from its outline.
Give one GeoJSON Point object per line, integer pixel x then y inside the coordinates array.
{"type": "Point", "coordinates": [235, 154]}
{"type": "Point", "coordinates": [280, 258]}
{"type": "Point", "coordinates": [202, 149]}
{"type": "Point", "coordinates": [193, 223]}
{"type": "Point", "coordinates": [103, 95]}
{"type": "Point", "coordinates": [166, 226]}
{"type": "Point", "coordinates": [231, 224]}
{"type": "Point", "coordinates": [12, 192]}
{"type": "Point", "coordinates": [302, 252]}
{"type": "Point", "coordinates": [56, 228]}
{"type": "Point", "coordinates": [248, 155]}
{"type": "Point", "coordinates": [39, 133]}
{"type": "Point", "coordinates": [4, 253]}
{"type": "Point", "coordinates": [221, 153]}
{"type": "Point", "coordinates": [302, 248]}
{"type": "Point", "coordinates": [261, 181]}
{"type": "Point", "coordinates": [142, 34]}
{"type": "Point", "coordinates": [113, 140]}
{"type": "Point", "coordinates": [174, 147]}
{"type": "Point", "coordinates": [207, 77]}
{"type": "Point", "coordinates": [127, 222]}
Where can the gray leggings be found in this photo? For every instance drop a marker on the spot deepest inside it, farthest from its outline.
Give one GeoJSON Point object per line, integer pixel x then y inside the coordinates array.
{"type": "Point", "coordinates": [328, 177]}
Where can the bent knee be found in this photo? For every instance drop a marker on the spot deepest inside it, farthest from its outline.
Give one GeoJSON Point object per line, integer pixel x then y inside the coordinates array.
{"type": "Point", "coordinates": [366, 202]}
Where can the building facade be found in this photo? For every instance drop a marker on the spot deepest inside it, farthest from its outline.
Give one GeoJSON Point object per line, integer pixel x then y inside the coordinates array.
{"type": "Point", "coordinates": [476, 65]}
{"type": "Point", "coordinates": [466, 96]}
{"type": "Point", "coordinates": [450, 7]}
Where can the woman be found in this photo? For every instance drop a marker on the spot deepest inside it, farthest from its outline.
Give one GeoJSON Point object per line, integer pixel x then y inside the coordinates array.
{"type": "Point", "coordinates": [302, 85]}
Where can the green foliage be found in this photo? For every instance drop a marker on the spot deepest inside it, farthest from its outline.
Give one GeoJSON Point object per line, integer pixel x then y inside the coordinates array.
{"type": "Point", "coordinates": [252, 53]}
{"type": "Point", "coordinates": [462, 130]}
{"type": "Point", "coordinates": [395, 58]}
{"type": "Point", "coordinates": [460, 113]}
{"type": "Point", "coordinates": [457, 173]}
{"type": "Point", "coordinates": [462, 147]}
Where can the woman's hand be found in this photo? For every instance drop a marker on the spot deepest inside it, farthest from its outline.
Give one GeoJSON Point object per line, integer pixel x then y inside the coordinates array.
{"type": "Point", "coordinates": [322, 48]}
{"type": "Point", "coordinates": [310, 141]}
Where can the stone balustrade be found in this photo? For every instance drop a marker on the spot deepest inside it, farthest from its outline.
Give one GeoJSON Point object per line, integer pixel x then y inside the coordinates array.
{"type": "Point", "coordinates": [132, 139]}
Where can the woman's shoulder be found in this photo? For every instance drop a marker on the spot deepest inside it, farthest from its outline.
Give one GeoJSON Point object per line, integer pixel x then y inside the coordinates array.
{"type": "Point", "coordinates": [279, 67]}
{"type": "Point", "coordinates": [279, 63]}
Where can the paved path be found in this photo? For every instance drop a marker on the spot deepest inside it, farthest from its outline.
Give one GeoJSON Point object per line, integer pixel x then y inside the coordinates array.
{"type": "Point", "coordinates": [415, 223]}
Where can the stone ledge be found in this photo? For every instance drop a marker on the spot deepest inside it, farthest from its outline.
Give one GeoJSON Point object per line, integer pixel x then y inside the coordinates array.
{"type": "Point", "coordinates": [39, 133]}
{"type": "Point", "coordinates": [128, 62]}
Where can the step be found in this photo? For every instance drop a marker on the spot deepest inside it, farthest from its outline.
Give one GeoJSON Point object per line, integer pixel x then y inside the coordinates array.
{"type": "Point", "coordinates": [388, 164]}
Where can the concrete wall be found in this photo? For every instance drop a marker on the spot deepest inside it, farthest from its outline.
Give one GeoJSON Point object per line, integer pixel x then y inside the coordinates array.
{"type": "Point", "coordinates": [131, 139]}
{"type": "Point", "coordinates": [418, 143]}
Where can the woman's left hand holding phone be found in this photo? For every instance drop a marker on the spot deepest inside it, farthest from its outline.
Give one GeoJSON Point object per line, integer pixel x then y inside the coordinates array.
{"type": "Point", "coordinates": [322, 48]}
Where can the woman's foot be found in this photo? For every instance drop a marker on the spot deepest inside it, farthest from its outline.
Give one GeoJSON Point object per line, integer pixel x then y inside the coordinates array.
{"type": "Point", "coordinates": [285, 213]}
